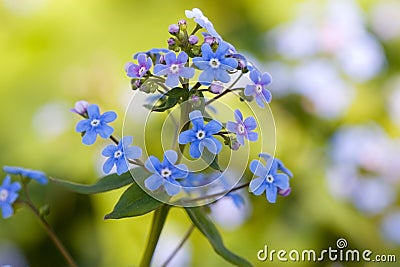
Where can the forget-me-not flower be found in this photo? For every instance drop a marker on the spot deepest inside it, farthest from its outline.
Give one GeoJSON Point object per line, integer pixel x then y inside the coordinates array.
{"type": "Point", "coordinates": [119, 154]}
{"type": "Point", "coordinates": [258, 89]}
{"type": "Point", "coordinates": [215, 66]}
{"type": "Point", "coordinates": [174, 68]}
{"type": "Point", "coordinates": [268, 179]}
{"type": "Point", "coordinates": [95, 125]}
{"type": "Point", "coordinates": [200, 135]}
{"type": "Point", "coordinates": [8, 195]}
{"type": "Point", "coordinates": [38, 176]}
{"type": "Point", "coordinates": [243, 128]}
{"type": "Point", "coordinates": [202, 20]}
{"type": "Point", "coordinates": [165, 173]}
{"type": "Point", "coordinates": [140, 69]}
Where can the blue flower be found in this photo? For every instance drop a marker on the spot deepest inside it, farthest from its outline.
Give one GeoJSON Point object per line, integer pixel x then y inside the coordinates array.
{"type": "Point", "coordinates": [165, 173]}
{"type": "Point", "coordinates": [215, 66]}
{"type": "Point", "coordinates": [8, 195]}
{"type": "Point", "coordinates": [119, 154]}
{"type": "Point", "coordinates": [237, 199]}
{"type": "Point", "coordinates": [200, 135]}
{"type": "Point", "coordinates": [268, 179]}
{"type": "Point", "coordinates": [95, 125]}
{"type": "Point", "coordinates": [242, 129]}
{"type": "Point", "coordinates": [138, 71]}
{"type": "Point", "coordinates": [258, 89]}
{"type": "Point", "coordinates": [202, 20]}
{"type": "Point", "coordinates": [174, 68]}
{"type": "Point", "coordinates": [38, 176]}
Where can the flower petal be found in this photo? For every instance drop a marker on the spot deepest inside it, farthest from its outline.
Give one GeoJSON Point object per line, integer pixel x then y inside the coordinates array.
{"type": "Point", "coordinates": [256, 186]}
{"type": "Point", "coordinates": [240, 139]}
{"type": "Point", "coordinates": [83, 126]}
{"type": "Point", "coordinates": [281, 180]}
{"type": "Point", "coordinates": [195, 150]}
{"type": "Point", "coordinates": [172, 189]}
{"type": "Point", "coordinates": [153, 182]}
{"type": "Point", "coordinates": [221, 75]}
{"type": "Point", "coordinates": [105, 131]}
{"type": "Point", "coordinates": [170, 58]}
{"type": "Point", "coordinates": [160, 69]}
{"type": "Point", "coordinates": [258, 168]}
{"type": "Point", "coordinates": [213, 127]}
{"type": "Point", "coordinates": [109, 151]}
{"type": "Point", "coordinates": [133, 152]}
{"type": "Point", "coordinates": [255, 76]}
{"type": "Point", "coordinates": [271, 193]}
{"type": "Point", "coordinates": [252, 136]}
{"type": "Point", "coordinates": [238, 115]}
{"type": "Point", "coordinates": [6, 210]}
{"type": "Point", "coordinates": [267, 95]}
{"type": "Point", "coordinates": [122, 166]}
{"type": "Point", "coordinates": [249, 90]}
{"type": "Point", "coordinates": [93, 111]}
{"type": "Point", "coordinates": [153, 165]}
{"type": "Point", "coordinates": [186, 72]}
{"type": "Point", "coordinates": [172, 80]}
{"type": "Point", "coordinates": [180, 171]}
{"type": "Point", "coordinates": [182, 57]}
{"type": "Point", "coordinates": [265, 79]}
{"type": "Point", "coordinates": [250, 123]}
{"type": "Point", "coordinates": [207, 76]}
{"type": "Point", "coordinates": [170, 156]}
{"type": "Point", "coordinates": [89, 137]}
{"type": "Point", "coordinates": [260, 101]}
{"type": "Point", "coordinates": [231, 126]}
{"type": "Point", "coordinates": [108, 165]}
{"type": "Point", "coordinates": [200, 63]}
{"type": "Point", "coordinates": [186, 137]}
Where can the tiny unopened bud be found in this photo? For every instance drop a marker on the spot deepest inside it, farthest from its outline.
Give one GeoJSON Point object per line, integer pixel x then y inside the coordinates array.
{"type": "Point", "coordinates": [162, 59]}
{"type": "Point", "coordinates": [217, 87]}
{"type": "Point", "coordinates": [44, 210]}
{"type": "Point", "coordinates": [285, 192]}
{"type": "Point", "coordinates": [173, 29]}
{"type": "Point", "coordinates": [81, 108]}
{"type": "Point", "coordinates": [171, 41]}
{"type": "Point", "coordinates": [210, 40]}
{"type": "Point", "coordinates": [182, 24]}
{"type": "Point", "coordinates": [235, 145]}
{"type": "Point", "coordinates": [193, 39]}
{"type": "Point", "coordinates": [195, 50]}
{"type": "Point", "coordinates": [136, 83]}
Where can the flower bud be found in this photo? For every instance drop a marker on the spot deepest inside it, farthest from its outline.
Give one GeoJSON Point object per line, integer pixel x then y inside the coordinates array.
{"type": "Point", "coordinates": [193, 39]}
{"type": "Point", "coordinates": [162, 59]}
{"type": "Point", "coordinates": [182, 24]}
{"type": "Point", "coordinates": [136, 83]}
{"type": "Point", "coordinates": [171, 41]}
{"type": "Point", "coordinates": [210, 40]}
{"type": "Point", "coordinates": [173, 29]}
{"type": "Point", "coordinates": [285, 192]}
{"type": "Point", "coordinates": [235, 145]}
{"type": "Point", "coordinates": [81, 108]}
{"type": "Point", "coordinates": [217, 87]}
{"type": "Point", "coordinates": [195, 50]}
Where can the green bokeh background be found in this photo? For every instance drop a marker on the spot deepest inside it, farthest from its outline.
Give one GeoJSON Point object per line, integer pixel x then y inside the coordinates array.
{"type": "Point", "coordinates": [68, 50]}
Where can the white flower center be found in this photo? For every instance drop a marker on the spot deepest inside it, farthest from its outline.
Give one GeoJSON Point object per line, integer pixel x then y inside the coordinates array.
{"type": "Point", "coordinates": [270, 178]}
{"type": "Point", "coordinates": [200, 134]}
{"type": "Point", "coordinates": [165, 173]}
{"type": "Point", "coordinates": [117, 154]}
{"type": "Point", "coordinates": [95, 122]}
{"type": "Point", "coordinates": [241, 128]}
{"type": "Point", "coordinates": [3, 195]}
{"type": "Point", "coordinates": [214, 63]}
{"type": "Point", "coordinates": [174, 68]}
{"type": "Point", "coordinates": [142, 71]}
{"type": "Point", "coordinates": [259, 89]}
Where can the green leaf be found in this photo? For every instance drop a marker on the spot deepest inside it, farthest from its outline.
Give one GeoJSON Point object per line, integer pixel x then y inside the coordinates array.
{"type": "Point", "coordinates": [208, 229]}
{"type": "Point", "coordinates": [176, 92]}
{"type": "Point", "coordinates": [107, 183]}
{"type": "Point", "coordinates": [211, 159]}
{"type": "Point", "coordinates": [133, 202]}
{"type": "Point", "coordinates": [169, 103]}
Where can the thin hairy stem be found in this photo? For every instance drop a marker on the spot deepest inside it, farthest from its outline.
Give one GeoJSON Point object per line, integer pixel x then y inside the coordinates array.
{"type": "Point", "coordinates": [220, 193]}
{"type": "Point", "coordinates": [28, 202]}
{"type": "Point", "coordinates": [180, 245]}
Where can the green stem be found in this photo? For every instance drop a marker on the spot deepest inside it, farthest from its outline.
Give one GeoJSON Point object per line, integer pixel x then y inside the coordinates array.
{"type": "Point", "coordinates": [157, 225]}
{"type": "Point", "coordinates": [48, 228]}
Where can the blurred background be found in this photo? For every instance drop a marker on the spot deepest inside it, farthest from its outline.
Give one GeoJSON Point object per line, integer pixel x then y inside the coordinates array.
{"type": "Point", "coordinates": [336, 94]}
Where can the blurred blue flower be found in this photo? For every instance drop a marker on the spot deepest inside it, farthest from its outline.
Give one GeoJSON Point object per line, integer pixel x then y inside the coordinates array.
{"type": "Point", "coordinates": [8, 195]}
{"type": "Point", "coordinates": [119, 154]}
{"type": "Point", "coordinates": [95, 125]}
{"type": "Point", "coordinates": [202, 20]}
{"type": "Point", "coordinates": [390, 226]}
{"type": "Point", "coordinates": [215, 66]}
{"type": "Point", "coordinates": [165, 173]}
{"type": "Point", "coordinates": [268, 179]}
{"type": "Point", "coordinates": [140, 69]}
{"type": "Point", "coordinates": [242, 129]}
{"type": "Point", "coordinates": [38, 176]}
{"type": "Point", "coordinates": [258, 89]}
{"type": "Point", "coordinates": [200, 135]}
{"type": "Point", "coordinates": [174, 68]}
